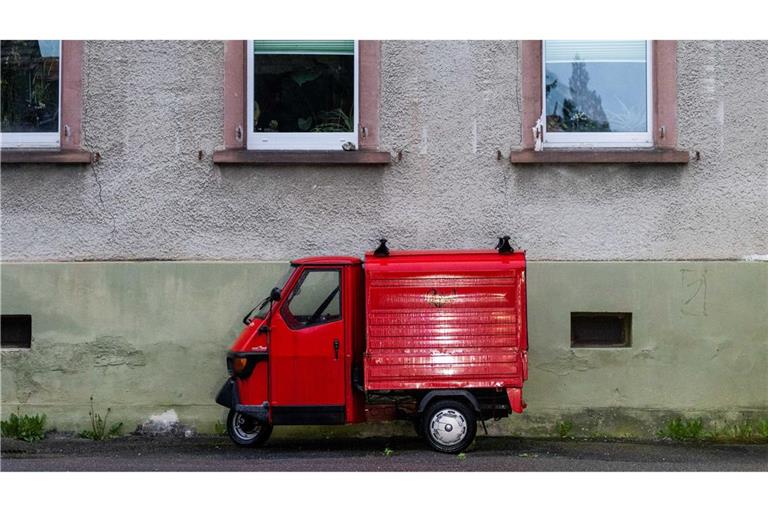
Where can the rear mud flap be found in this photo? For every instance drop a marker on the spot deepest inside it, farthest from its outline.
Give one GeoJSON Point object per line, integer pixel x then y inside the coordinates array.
{"type": "Point", "coordinates": [516, 402]}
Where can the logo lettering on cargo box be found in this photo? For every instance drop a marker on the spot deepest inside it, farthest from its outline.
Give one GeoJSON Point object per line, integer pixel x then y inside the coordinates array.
{"type": "Point", "coordinates": [438, 300]}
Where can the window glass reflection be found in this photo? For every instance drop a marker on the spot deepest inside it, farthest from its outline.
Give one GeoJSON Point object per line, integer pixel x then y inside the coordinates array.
{"type": "Point", "coordinates": [29, 86]}
{"type": "Point", "coordinates": [303, 86]}
{"type": "Point", "coordinates": [596, 86]}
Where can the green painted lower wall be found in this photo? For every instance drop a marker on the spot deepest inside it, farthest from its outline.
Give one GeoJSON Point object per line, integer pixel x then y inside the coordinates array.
{"type": "Point", "coordinates": [145, 337]}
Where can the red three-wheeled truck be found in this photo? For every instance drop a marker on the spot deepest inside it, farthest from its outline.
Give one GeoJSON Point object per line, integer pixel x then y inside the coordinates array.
{"type": "Point", "coordinates": [435, 337]}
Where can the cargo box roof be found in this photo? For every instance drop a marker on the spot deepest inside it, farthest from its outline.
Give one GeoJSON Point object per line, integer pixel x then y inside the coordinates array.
{"type": "Point", "coordinates": [431, 256]}
{"type": "Point", "coordinates": [484, 258]}
{"type": "Point", "coordinates": [465, 254]}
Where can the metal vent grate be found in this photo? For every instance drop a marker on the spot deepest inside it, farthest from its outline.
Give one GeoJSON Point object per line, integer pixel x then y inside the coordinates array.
{"type": "Point", "coordinates": [15, 331]}
{"type": "Point", "coordinates": [599, 330]}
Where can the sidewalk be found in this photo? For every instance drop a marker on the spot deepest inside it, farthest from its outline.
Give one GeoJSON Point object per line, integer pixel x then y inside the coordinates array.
{"type": "Point", "coordinates": [216, 453]}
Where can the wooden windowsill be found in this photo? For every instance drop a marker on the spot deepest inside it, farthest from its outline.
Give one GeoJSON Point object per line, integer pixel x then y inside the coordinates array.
{"type": "Point", "coordinates": [261, 157]}
{"type": "Point", "coordinates": [599, 156]}
{"type": "Point", "coordinates": [47, 156]}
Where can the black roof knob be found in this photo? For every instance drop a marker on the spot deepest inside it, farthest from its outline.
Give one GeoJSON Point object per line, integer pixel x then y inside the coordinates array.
{"type": "Point", "coordinates": [504, 246]}
{"type": "Point", "coordinates": [382, 249]}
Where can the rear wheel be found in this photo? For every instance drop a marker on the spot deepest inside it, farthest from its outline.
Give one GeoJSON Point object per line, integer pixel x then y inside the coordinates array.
{"type": "Point", "coordinates": [246, 431]}
{"type": "Point", "coordinates": [449, 426]}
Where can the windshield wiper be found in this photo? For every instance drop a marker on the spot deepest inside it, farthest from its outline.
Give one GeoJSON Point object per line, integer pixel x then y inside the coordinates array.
{"type": "Point", "coordinates": [247, 317]}
{"type": "Point", "coordinates": [273, 296]}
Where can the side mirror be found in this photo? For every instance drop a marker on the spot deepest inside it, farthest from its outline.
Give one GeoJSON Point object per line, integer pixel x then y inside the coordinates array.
{"type": "Point", "coordinates": [274, 295]}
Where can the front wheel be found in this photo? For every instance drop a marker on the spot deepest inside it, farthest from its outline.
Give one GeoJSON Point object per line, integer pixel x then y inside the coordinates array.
{"type": "Point", "coordinates": [243, 430]}
{"type": "Point", "coordinates": [449, 426]}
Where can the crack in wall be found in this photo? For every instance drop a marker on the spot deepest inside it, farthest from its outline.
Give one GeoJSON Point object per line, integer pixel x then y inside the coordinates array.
{"type": "Point", "coordinates": [100, 196]}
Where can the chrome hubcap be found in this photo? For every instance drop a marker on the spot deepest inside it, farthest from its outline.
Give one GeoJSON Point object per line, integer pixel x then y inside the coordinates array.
{"type": "Point", "coordinates": [448, 427]}
{"type": "Point", "coordinates": [244, 427]}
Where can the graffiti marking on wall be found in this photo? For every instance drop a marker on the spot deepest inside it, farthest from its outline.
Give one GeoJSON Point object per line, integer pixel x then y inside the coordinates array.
{"type": "Point", "coordinates": [694, 283]}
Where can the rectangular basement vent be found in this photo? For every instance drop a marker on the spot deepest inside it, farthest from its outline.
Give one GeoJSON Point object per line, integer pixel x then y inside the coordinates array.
{"type": "Point", "coordinates": [601, 330]}
{"type": "Point", "coordinates": [15, 331]}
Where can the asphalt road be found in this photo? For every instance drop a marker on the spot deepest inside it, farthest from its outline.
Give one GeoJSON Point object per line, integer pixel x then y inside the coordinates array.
{"type": "Point", "coordinates": [213, 453]}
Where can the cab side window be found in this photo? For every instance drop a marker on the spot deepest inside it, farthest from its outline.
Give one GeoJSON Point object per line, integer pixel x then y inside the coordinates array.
{"type": "Point", "coordinates": [316, 299]}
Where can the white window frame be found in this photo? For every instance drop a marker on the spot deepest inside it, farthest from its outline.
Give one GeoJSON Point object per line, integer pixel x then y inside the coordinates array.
{"type": "Point", "coordinates": [35, 139]}
{"type": "Point", "coordinates": [300, 141]}
{"type": "Point", "coordinates": [600, 139]}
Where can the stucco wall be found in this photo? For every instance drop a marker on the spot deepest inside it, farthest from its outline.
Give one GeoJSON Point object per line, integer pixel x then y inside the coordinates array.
{"type": "Point", "coordinates": [150, 106]}
{"type": "Point", "coordinates": [143, 338]}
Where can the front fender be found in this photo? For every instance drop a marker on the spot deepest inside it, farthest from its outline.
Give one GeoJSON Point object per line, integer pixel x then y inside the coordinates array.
{"type": "Point", "coordinates": [229, 398]}
{"type": "Point", "coordinates": [447, 393]}
{"type": "Point", "coordinates": [227, 395]}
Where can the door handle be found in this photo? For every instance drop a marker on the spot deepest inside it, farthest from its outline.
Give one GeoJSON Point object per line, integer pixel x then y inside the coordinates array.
{"type": "Point", "coordinates": [336, 349]}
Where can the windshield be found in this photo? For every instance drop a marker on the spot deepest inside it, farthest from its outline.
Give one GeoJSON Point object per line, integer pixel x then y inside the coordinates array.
{"type": "Point", "coordinates": [262, 311]}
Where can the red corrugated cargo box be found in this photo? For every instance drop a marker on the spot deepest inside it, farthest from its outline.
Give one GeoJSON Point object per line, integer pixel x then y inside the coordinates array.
{"type": "Point", "coordinates": [445, 320]}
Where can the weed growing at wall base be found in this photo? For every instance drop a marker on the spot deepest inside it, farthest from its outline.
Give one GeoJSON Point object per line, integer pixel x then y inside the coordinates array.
{"type": "Point", "coordinates": [762, 429]}
{"type": "Point", "coordinates": [744, 432]}
{"type": "Point", "coordinates": [100, 428]}
{"type": "Point", "coordinates": [679, 429]}
{"type": "Point", "coordinates": [27, 428]}
{"type": "Point", "coordinates": [564, 428]}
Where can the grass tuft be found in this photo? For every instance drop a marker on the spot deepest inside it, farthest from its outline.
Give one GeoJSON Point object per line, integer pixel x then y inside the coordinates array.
{"type": "Point", "coordinates": [24, 427]}
{"type": "Point", "coordinates": [564, 429]}
{"type": "Point", "coordinates": [744, 432]}
{"type": "Point", "coordinates": [679, 429]}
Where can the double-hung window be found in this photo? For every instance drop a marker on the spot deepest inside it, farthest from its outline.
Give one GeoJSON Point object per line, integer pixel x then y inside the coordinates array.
{"type": "Point", "coordinates": [597, 94]}
{"type": "Point", "coordinates": [30, 95]}
{"type": "Point", "coordinates": [302, 95]}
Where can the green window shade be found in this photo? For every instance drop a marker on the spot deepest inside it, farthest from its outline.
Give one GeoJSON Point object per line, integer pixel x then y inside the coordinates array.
{"type": "Point", "coordinates": [325, 46]}
{"type": "Point", "coordinates": [595, 51]}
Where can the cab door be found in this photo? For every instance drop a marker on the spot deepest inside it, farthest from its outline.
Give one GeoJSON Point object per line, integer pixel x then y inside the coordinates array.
{"type": "Point", "coordinates": [307, 351]}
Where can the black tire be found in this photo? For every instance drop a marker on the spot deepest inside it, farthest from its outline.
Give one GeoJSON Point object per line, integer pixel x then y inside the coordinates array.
{"type": "Point", "coordinates": [449, 426]}
{"type": "Point", "coordinates": [246, 431]}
